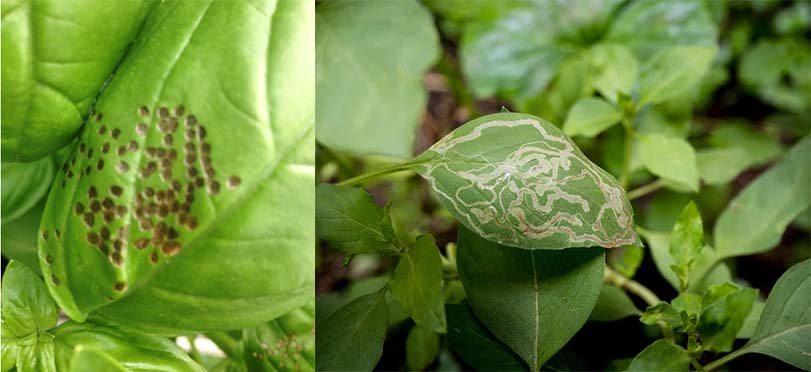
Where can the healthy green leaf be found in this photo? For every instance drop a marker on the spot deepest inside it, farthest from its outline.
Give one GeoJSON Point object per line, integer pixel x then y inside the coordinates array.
{"type": "Point", "coordinates": [417, 284]}
{"type": "Point", "coordinates": [686, 242]}
{"type": "Point", "coordinates": [27, 306]}
{"type": "Point", "coordinates": [751, 321]}
{"type": "Point", "coordinates": [533, 301]}
{"type": "Point", "coordinates": [777, 71]}
{"type": "Point", "coordinates": [661, 355]}
{"type": "Point", "coordinates": [736, 147]}
{"type": "Point", "coordinates": [755, 219]}
{"type": "Point", "coordinates": [721, 165]}
{"type": "Point", "coordinates": [590, 116]}
{"type": "Point", "coordinates": [349, 219]}
{"type": "Point", "coordinates": [671, 158]}
{"type": "Point", "coordinates": [422, 347]}
{"type": "Point", "coordinates": [723, 313]}
{"type": "Point", "coordinates": [24, 184]}
{"type": "Point", "coordinates": [649, 26]}
{"type": "Point", "coordinates": [613, 304]}
{"type": "Point", "coordinates": [158, 221]}
{"type": "Point", "coordinates": [517, 180]}
{"type": "Point", "coordinates": [18, 238]}
{"type": "Point", "coordinates": [36, 353]}
{"type": "Point", "coordinates": [616, 70]}
{"type": "Point", "coordinates": [56, 58]}
{"type": "Point", "coordinates": [370, 68]}
{"type": "Point", "coordinates": [707, 264]}
{"type": "Point", "coordinates": [135, 351]}
{"type": "Point", "coordinates": [625, 260]}
{"type": "Point", "coordinates": [89, 359]}
{"type": "Point", "coordinates": [785, 326]}
{"type": "Point", "coordinates": [285, 343]}
{"type": "Point", "coordinates": [352, 338]}
{"type": "Point", "coordinates": [469, 338]}
{"type": "Point", "coordinates": [673, 72]}
{"type": "Point", "coordinates": [663, 312]}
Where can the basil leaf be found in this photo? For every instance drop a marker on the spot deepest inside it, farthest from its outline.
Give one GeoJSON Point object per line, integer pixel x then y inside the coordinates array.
{"type": "Point", "coordinates": [181, 230]}
{"type": "Point", "coordinates": [723, 315]}
{"type": "Point", "coordinates": [352, 338]}
{"type": "Point", "coordinates": [370, 69]}
{"type": "Point", "coordinates": [616, 69]}
{"type": "Point", "coordinates": [23, 186]}
{"type": "Point", "coordinates": [89, 359]}
{"type": "Point", "coordinates": [19, 237]}
{"type": "Point", "coordinates": [422, 347]}
{"type": "Point", "coordinates": [417, 284]}
{"type": "Point", "coordinates": [663, 312]}
{"type": "Point", "coordinates": [785, 326]}
{"type": "Point", "coordinates": [661, 355]}
{"type": "Point", "coordinates": [686, 242]}
{"type": "Point", "coordinates": [27, 306]}
{"type": "Point", "coordinates": [469, 338]}
{"type": "Point", "coordinates": [9, 345]}
{"type": "Point", "coordinates": [285, 343]}
{"type": "Point", "coordinates": [776, 70]}
{"type": "Point", "coordinates": [349, 219]}
{"type": "Point", "coordinates": [518, 181]}
{"type": "Point", "coordinates": [625, 260]}
{"type": "Point", "coordinates": [665, 24]}
{"type": "Point", "coordinates": [133, 350]}
{"type": "Point", "coordinates": [56, 58]}
{"type": "Point", "coordinates": [707, 265]}
{"type": "Point", "coordinates": [673, 72]}
{"type": "Point", "coordinates": [36, 353]}
{"type": "Point", "coordinates": [533, 301]}
{"type": "Point", "coordinates": [755, 219]}
{"type": "Point", "coordinates": [671, 158]}
{"type": "Point", "coordinates": [613, 304]}
{"type": "Point", "coordinates": [590, 116]}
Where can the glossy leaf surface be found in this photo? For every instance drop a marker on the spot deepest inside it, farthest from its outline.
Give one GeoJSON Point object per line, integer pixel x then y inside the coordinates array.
{"type": "Point", "coordinates": [23, 186]}
{"type": "Point", "coordinates": [27, 306]}
{"type": "Point", "coordinates": [88, 359]}
{"type": "Point", "coordinates": [157, 220]}
{"type": "Point", "coordinates": [56, 57]}
{"type": "Point", "coordinates": [533, 301]}
{"type": "Point", "coordinates": [517, 180]}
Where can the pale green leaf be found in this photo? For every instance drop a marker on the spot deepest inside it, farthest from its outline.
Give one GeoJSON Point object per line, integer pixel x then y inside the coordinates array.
{"type": "Point", "coordinates": [673, 72]}
{"type": "Point", "coordinates": [725, 307]}
{"type": "Point", "coordinates": [755, 219]}
{"type": "Point", "coordinates": [613, 304]}
{"type": "Point", "coordinates": [661, 355]}
{"type": "Point", "coordinates": [349, 219]}
{"type": "Point", "coordinates": [89, 359]}
{"type": "Point", "coordinates": [370, 61]}
{"type": "Point", "coordinates": [670, 158]}
{"type": "Point", "coordinates": [422, 347]}
{"type": "Point", "coordinates": [626, 260]}
{"type": "Point", "coordinates": [27, 305]}
{"type": "Point", "coordinates": [589, 116]}
{"type": "Point", "coordinates": [751, 321]}
{"type": "Point", "coordinates": [785, 326]}
{"type": "Point", "coordinates": [686, 242]}
{"type": "Point", "coordinates": [532, 300]}
{"type": "Point", "coordinates": [24, 184]}
{"type": "Point", "coordinates": [707, 266]}
{"type": "Point", "coordinates": [352, 338]}
{"type": "Point", "coordinates": [665, 313]}
{"type": "Point", "coordinates": [519, 181]}
{"type": "Point", "coordinates": [616, 69]}
{"type": "Point", "coordinates": [417, 284]}
{"type": "Point", "coordinates": [19, 237]}
{"type": "Point", "coordinates": [718, 166]}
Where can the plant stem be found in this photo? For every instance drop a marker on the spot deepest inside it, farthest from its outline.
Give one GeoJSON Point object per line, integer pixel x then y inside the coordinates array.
{"type": "Point", "coordinates": [377, 173]}
{"type": "Point", "coordinates": [725, 359]}
{"type": "Point", "coordinates": [645, 189]}
{"type": "Point", "coordinates": [195, 354]}
{"type": "Point", "coordinates": [697, 366]}
{"type": "Point", "coordinates": [630, 285]}
{"type": "Point", "coordinates": [224, 341]}
{"type": "Point", "coordinates": [626, 161]}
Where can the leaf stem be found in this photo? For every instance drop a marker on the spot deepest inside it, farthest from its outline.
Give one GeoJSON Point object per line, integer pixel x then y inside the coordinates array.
{"type": "Point", "coordinates": [645, 189]}
{"type": "Point", "coordinates": [377, 173]}
{"type": "Point", "coordinates": [630, 285]}
{"type": "Point", "coordinates": [626, 161]}
{"type": "Point", "coordinates": [725, 359]}
{"type": "Point", "coordinates": [697, 366]}
{"type": "Point", "coordinates": [193, 352]}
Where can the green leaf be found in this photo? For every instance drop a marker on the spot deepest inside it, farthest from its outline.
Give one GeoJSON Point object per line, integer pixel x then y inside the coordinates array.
{"type": "Point", "coordinates": [626, 260]}
{"type": "Point", "coordinates": [777, 71]}
{"type": "Point", "coordinates": [417, 284]}
{"type": "Point", "coordinates": [663, 312]}
{"type": "Point", "coordinates": [751, 321]}
{"type": "Point", "coordinates": [673, 72]}
{"type": "Point", "coordinates": [287, 342]}
{"type": "Point", "coordinates": [27, 306]}
{"type": "Point", "coordinates": [182, 229]}
{"type": "Point", "coordinates": [533, 301]}
{"type": "Point", "coordinates": [422, 347]}
{"type": "Point", "coordinates": [89, 359]}
{"type": "Point", "coordinates": [724, 310]}
{"type": "Point", "coordinates": [720, 166]}
{"type": "Point", "coordinates": [671, 158]}
{"type": "Point", "coordinates": [19, 237]}
{"type": "Point", "coordinates": [686, 242]}
{"type": "Point", "coordinates": [519, 181]}
{"type": "Point", "coordinates": [616, 70]}
{"type": "Point", "coordinates": [349, 219]}
{"type": "Point", "coordinates": [590, 116]}
{"type": "Point", "coordinates": [133, 350]}
{"type": "Point", "coordinates": [613, 304]}
{"type": "Point", "coordinates": [352, 338]}
{"type": "Point", "coordinates": [755, 219]}
{"type": "Point", "coordinates": [665, 24]}
{"type": "Point", "coordinates": [24, 184]}
{"type": "Point", "coordinates": [370, 69]}
{"type": "Point", "coordinates": [661, 355]}
{"type": "Point", "coordinates": [707, 265]}
{"type": "Point", "coordinates": [736, 147]}
{"type": "Point", "coordinates": [36, 353]}
{"type": "Point", "coordinates": [469, 338]}
{"type": "Point", "coordinates": [56, 58]}
{"type": "Point", "coordinates": [785, 326]}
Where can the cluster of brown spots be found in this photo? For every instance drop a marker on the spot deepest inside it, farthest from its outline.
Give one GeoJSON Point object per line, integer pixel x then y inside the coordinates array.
{"type": "Point", "coordinates": [107, 210]}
